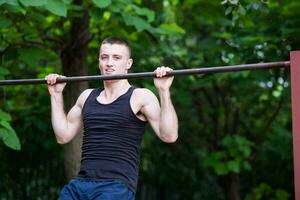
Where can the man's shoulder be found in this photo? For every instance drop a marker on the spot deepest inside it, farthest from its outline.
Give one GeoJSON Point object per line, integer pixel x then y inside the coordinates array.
{"type": "Point", "coordinates": [83, 96]}
{"type": "Point", "coordinates": [143, 94]}
{"type": "Point", "coordinates": [86, 92]}
{"type": "Point", "coordinates": [143, 91]}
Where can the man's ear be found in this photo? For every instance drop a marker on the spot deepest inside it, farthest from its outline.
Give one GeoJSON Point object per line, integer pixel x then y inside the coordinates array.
{"type": "Point", "coordinates": [129, 63]}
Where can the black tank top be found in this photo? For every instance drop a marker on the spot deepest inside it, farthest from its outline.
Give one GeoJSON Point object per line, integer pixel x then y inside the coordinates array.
{"type": "Point", "coordinates": [112, 140]}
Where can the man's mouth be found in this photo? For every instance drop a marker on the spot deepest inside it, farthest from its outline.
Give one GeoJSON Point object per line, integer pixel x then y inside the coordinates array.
{"type": "Point", "coordinates": [109, 70]}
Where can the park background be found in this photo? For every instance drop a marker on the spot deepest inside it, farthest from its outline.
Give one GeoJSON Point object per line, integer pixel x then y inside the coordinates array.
{"type": "Point", "coordinates": [235, 140]}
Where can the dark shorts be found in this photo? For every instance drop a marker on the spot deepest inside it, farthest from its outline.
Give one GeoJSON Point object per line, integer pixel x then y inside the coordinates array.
{"type": "Point", "coordinates": [81, 189]}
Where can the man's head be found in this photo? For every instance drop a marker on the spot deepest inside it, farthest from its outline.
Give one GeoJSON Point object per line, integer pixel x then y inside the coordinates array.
{"type": "Point", "coordinates": [117, 40]}
{"type": "Point", "coordinates": [114, 56]}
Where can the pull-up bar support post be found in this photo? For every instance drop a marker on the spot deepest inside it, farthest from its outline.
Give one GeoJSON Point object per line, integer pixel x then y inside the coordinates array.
{"type": "Point", "coordinates": [295, 90]}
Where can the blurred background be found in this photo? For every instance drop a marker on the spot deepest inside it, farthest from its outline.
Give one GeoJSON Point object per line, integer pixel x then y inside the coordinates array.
{"type": "Point", "coordinates": [235, 128]}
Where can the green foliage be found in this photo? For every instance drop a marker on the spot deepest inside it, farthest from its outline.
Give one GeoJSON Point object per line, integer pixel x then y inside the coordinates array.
{"type": "Point", "coordinates": [28, 3]}
{"type": "Point", "coordinates": [265, 191]}
{"type": "Point", "coordinates": [7, 133]}
{"type": "Point", "coordinates": [233, 158]}
{"type": "Point", "coordinates": [102, 3]}
{"type": "Point", "coordinates": [172, 28]}
{"type": "Point", "coordinates": [139, 23]}
{"type": "Point", "coordinates": [57, 7]}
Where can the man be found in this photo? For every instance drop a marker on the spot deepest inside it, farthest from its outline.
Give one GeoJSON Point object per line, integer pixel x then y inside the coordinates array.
{"type": "Point", "coordinates": [113, 120]}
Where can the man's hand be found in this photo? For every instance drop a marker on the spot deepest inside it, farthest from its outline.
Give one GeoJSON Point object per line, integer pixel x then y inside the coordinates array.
{"type": "Point", "coordinates": [161, 82]}
{"type": "Point", "coordinates": [53, 87]}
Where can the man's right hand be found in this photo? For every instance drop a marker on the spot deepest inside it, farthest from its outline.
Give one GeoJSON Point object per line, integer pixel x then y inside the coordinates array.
{"type": "Point", "coordinates": [53, 87]}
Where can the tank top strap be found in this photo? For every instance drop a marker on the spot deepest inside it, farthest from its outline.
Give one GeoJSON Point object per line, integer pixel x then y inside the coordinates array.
{"type": "Point", "coordinates": [94, 93]}
{"type": "Point", "coordinates": [130, 91]}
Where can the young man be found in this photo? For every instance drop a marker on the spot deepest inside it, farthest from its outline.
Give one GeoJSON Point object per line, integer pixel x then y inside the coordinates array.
{"type": "Point", "coordinates": [113, 120]}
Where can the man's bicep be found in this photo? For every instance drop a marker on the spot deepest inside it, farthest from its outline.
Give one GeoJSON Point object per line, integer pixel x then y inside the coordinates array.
{"type": "Point", "coordinates": [75, 114]}
{"type": "Point", "coordinates": [74, 119]}
{"type": "Point", "coordinates": [151, 110]}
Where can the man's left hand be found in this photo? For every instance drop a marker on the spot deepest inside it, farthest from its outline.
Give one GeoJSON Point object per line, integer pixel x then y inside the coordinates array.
{"type": "Point", "coordinates": [162, 82]}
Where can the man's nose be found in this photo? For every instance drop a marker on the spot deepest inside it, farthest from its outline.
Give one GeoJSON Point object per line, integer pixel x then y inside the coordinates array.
{"type": "Point", "coordinates": [110, 62]}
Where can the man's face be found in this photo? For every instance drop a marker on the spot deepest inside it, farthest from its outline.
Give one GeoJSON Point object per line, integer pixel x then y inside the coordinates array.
{"type": "Point", "coordinates": [114, 59]}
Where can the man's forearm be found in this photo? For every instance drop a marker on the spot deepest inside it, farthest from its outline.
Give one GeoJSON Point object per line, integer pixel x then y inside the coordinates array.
{"type": "Point", "coordinates": [58, 117]}
{"type": "Point", "coordinates": [168, 126]}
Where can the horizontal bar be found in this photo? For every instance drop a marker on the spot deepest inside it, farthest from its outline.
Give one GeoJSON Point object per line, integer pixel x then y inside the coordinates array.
{"type": "Point", "coordinates": [193, 71]}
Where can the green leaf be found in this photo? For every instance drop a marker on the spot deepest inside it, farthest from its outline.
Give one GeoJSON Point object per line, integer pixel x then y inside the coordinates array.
{"type": "Point", "coordinates": [4, 23]}
{"type": "Point", "coordinates": [207, 43]}
{"type": "Point", "coordinates": [12, 2]}
{"type": "Point", "coordinates": [173, 27]}
{"type": "Point", "coordinates": [10, 139]}
{"type": "Point", "coordinates": [33, 2]}
{"type": "Point", "coordinates": [228, 10]}
{"type": "Point", "coordinates": [116, 7]}
{"type": "Point", "coordinates": [67, 1]}
{"type": "Point", "coordinates": [6, 125]}
{"type": "Point", "coordinates": [57, 7]}
{"type": "Point", "coordinates": [276, 93]}
{"type": "Point", "coordinates": [224, 2]}
{"type": "Point", "coordinates": [31, 56]}
{"type": "Point", "coordinates": [3, 72]}
{"type": "Point", "coordinates": [13, 8]}
{"type": "Point", "coordinates": [4, 116]}
{"type": "Point", "coordinates": [227, 141]}
{"type": "Point", "coordinates": [106, 15]}
{"type": "Point", "coordinates": [146, 12]}
{"type": "Point", "coordinates": [247, 166]}
{"type": "Point", "coordinates": [220, 169]}
{"type": "Point", "coordinates": [234, 2]}
{"type": "Point", "coordinates": [223, 35]}
{"type": "Point", "coordinates": [233, 166]}
{"type": "Point", "coordinates": [215, 161]}
{"type": "Point", "coordinates": [139, 23]}
{"type": "Point", "coordinates": [218, 155]}
{"type": "Point", "coordinates": [102, 3]}
{"type": "Point", "coordinates": [242, 10]}
{"type": "Point", "coordinates": [282, 194]}
{"type": "Point", "coordinates": [2, 2]}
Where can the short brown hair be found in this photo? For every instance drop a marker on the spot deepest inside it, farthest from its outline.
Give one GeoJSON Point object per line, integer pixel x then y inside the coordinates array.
{"type": "Point", "coordinates": [117, 40]}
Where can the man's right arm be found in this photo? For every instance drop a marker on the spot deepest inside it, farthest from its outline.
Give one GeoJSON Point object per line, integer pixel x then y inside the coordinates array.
{"type": "Point", "coordinates": [65, 127]}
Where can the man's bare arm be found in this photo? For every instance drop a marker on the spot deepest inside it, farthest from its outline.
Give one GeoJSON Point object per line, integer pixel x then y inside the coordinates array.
{"type": "Point", "coordinates": [65, 127]}
{"type": "Point", "coordinates": [162, 118]}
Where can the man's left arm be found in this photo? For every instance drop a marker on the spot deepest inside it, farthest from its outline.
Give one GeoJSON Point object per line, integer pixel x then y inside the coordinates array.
{"type": "Point", "coordinates": [163, 117]}
{"type": "Point", "coordinates": [168, 123]}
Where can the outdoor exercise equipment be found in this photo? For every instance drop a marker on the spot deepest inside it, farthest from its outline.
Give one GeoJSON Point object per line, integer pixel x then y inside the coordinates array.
{"type": "Point", "coordinates": [294, 65]}
{"type": "Point", "coordinates": [194, 71]}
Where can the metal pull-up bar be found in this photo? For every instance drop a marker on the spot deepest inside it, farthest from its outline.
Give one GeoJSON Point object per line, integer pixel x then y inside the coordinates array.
{"type": "Point", "coordinates": [193, 71]}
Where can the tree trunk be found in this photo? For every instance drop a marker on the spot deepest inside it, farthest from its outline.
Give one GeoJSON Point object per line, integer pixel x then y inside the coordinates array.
{"type": "Point", "coordinates": [231, 186]}
{"type": "Point", "coordinates": [74, 62]}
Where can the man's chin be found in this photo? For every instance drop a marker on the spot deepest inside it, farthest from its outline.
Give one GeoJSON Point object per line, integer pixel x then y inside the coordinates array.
{"type": "Point", "coordinates": [114, 73]}
{"type": "Point", "coordinates": [109, 73]}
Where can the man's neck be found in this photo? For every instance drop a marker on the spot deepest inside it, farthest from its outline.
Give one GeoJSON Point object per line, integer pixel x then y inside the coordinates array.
{"type": "Point", "coordinates": [115, 88]}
